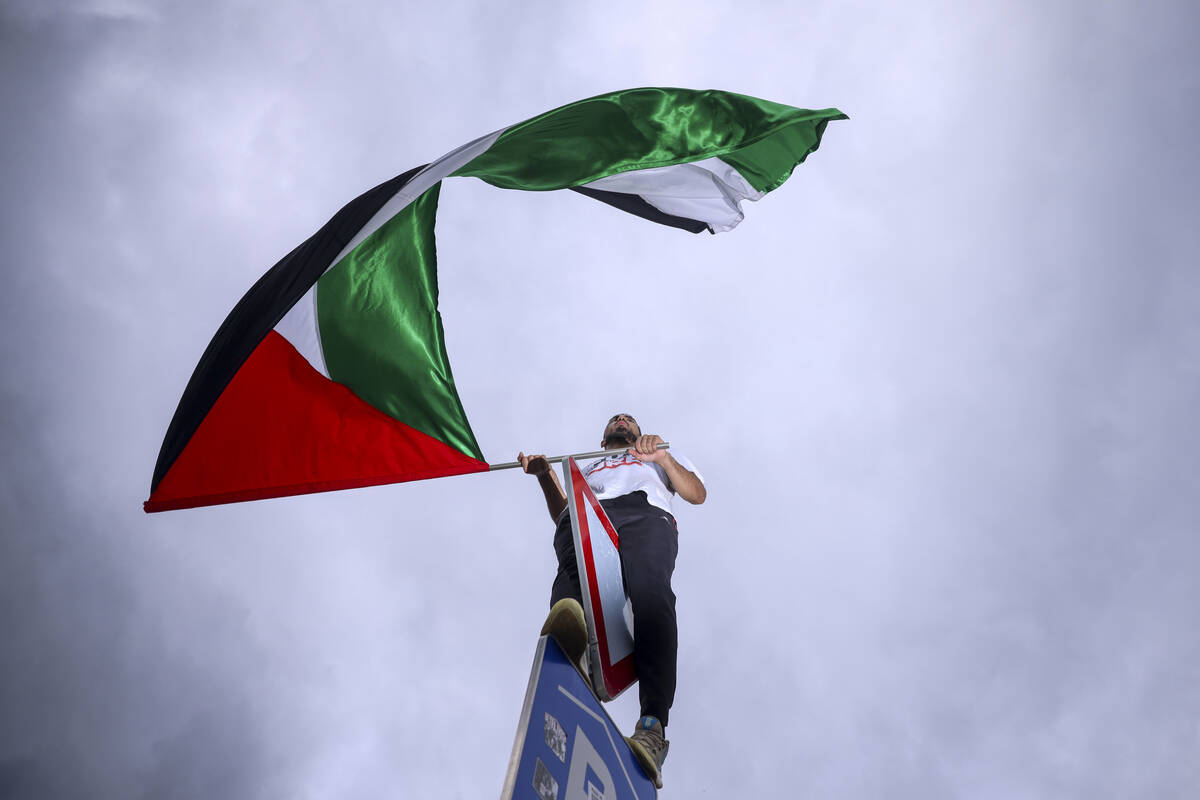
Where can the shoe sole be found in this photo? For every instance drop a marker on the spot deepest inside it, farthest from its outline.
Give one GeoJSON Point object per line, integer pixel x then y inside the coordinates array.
{"type": "Point", "coordinates": [646, 761]}
{"type": "Point", "coordinates": [566, 626]}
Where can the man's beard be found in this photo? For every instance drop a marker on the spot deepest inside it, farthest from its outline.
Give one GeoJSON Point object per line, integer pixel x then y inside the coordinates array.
{"type": "Point", "coordinates": [618, 439]}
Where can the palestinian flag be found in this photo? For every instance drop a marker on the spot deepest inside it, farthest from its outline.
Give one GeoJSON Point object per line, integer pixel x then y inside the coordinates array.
{"type": "Point", "coordinates": [331, 373]}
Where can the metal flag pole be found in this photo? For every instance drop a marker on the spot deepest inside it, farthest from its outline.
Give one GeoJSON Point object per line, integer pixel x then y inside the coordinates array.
{"type": "Point", "coordinates": [576, 456]}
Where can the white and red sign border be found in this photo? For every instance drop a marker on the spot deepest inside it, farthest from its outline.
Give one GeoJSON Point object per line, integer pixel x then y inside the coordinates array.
{"type": "Point", "coordinates": [597, 553]}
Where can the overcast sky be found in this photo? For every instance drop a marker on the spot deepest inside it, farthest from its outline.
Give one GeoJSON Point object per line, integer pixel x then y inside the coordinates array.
{"type": "Point", "coordinates": [942, 385]}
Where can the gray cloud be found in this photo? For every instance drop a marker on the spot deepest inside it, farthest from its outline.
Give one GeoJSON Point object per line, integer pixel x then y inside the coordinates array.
{"type": "Point", "coordinates": [942, 385]}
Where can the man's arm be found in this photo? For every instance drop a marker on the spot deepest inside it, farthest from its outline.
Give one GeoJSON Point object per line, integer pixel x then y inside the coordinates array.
{"type": "Point", "coordinates": [685, 482]}
{"type": "Point", "coordinates": [556, 498]}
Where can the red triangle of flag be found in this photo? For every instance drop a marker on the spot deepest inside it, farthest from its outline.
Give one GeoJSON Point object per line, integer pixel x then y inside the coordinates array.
{"type": "Point", "coordinates": [281, 428]}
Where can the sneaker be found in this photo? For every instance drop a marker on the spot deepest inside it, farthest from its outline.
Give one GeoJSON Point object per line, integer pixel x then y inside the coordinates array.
{"type": "Point", "coordinates": [650, 747]}
{"type": "Point", "coordinates": [565, 625]}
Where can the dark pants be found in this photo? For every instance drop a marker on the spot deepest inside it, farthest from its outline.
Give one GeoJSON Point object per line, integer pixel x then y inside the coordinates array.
{"type": "Point", "coordinates": [649, 543]}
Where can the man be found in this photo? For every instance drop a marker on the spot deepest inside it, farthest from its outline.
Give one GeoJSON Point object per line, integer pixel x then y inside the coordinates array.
{"type": "Point", "coordinates": [635, 489]}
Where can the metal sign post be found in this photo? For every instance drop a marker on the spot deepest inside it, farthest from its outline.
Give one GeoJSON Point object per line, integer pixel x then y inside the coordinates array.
{"type": "Point", "coordinates": [557, 459]}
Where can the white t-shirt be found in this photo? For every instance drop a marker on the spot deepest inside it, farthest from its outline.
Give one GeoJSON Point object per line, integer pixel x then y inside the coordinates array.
{"type": "Point", "coordinates": [624, 473]}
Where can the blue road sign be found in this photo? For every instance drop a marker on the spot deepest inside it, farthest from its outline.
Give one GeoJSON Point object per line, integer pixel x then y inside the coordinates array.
{"type": "Point", "coordinates": [567, 747]}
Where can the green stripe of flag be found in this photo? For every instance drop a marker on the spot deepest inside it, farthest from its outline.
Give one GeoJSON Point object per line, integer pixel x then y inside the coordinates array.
{"type": "Point", "coordinates": [645, 128]}
{"type": "Point", "coordinates": [769, 160]}
{"type": "Point", "coordinates": [381, 332]}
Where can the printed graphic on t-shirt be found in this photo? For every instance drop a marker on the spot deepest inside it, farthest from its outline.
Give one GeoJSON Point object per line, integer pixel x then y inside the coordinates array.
{"type": "Point", "coordinates": [625, 473]}
{"type": "Point", "coordinates": [597, 471]}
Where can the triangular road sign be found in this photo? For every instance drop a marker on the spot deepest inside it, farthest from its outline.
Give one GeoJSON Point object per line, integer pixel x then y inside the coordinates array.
{"type": "Point", "coordinates": [610, 629]}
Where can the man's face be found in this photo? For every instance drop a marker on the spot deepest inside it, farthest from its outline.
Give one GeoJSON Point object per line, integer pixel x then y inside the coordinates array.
{"type": "Point", "coordinates": [622, 429]}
